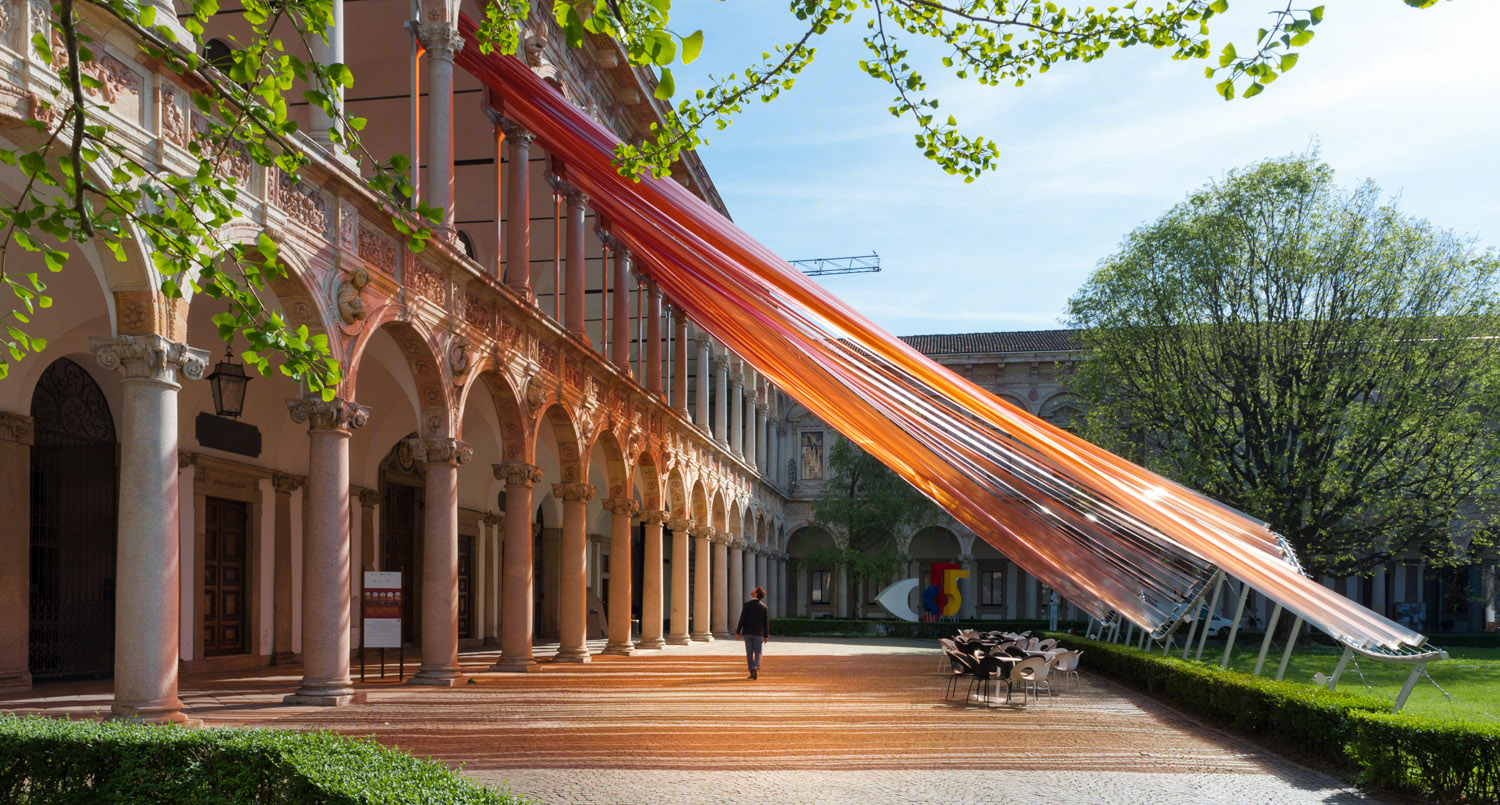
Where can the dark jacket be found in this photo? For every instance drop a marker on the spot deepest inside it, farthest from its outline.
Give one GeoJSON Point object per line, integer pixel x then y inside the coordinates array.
{"type": "Point", "coordinates": [755, 619]}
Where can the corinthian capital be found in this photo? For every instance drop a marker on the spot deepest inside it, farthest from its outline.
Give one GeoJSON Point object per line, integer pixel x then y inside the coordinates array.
{"type": "Point", "coordinates": [518, 473]}
{"type": "Point", "coordinates": [440, 40]}
{"type": "Point", "coordinates": [680, 525]}
{"type": "Point", "coordinates": [335, 414]}
{"type": "Point", "coordinates": [515, 132]}
{"type": "Point", "coordinates": [625, 506]}
{"type": "Point", "coordinates": [573, 492]}
{"type": "Point", "coordinates": [655, 517]}
{"type": "Point", "coordinates": [440, 450]}
{"type": "Point", "coordinates": [150, 357]}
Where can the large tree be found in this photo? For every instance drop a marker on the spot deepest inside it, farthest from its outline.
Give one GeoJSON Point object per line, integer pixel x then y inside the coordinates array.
{"type": "Point", "coordinates": [870, 507]}
{"type": "Point", "coordinates": [82, 184]}
{"type": "Point", "coordinates": [1307, 354]}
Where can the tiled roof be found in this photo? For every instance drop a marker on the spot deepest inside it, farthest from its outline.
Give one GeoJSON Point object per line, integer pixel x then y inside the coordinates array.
{"type": "Point", "coordinates": [980, 343]}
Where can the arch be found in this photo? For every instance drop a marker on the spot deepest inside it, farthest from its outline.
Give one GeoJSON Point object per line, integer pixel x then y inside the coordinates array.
{"type": "Point", "coordinates": [428, 371]}
{"type": "Point", "coordinates": [736, 523]}
{"type": "Point", "coordinates": [700, 503]}
{"type": "Point", "coordinates": [934, 542]}
{"type": "Point", "coordinates": [1061, 409]}
{"type": "Point", "coordinates": [719, 514]}
{"type": "Point", "coordinates": [1013, 400]}
{"type": "Point", "coordinates": [564, 430]}
{"type": "Point", "coordinates": [648, 482]}
{"type": "Point", "coordinates": [516, 442]}
{"type": "Point", "coordinates": [618, 480]}
{"type": "Point", "coordinates": [677, 496]}
{"type": "Point", "coordinates": [296, 288]}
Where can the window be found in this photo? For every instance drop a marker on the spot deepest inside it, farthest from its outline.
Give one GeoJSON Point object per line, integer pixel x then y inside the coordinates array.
{"type": "Point", "coordinates": [812, 456]}
{"type": "Point", "coordinates": [992, 588]}
{"type": "Point", "coordinates": [822, 585]}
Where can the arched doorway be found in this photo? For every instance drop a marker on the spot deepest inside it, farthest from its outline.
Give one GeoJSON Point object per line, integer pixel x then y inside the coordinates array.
{"type": "Point", "coordinates": [402, 495]}
{"type": "Point", "coordinates": [73, 527]}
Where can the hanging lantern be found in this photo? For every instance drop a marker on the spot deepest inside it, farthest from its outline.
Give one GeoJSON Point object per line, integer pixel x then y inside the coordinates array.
{"type": "Point", "coordinates": [228, 382]}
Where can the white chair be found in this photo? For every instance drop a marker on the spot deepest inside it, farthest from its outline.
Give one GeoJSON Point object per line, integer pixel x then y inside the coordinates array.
{"type": "Point", "coordinates": [1066, 664]}
{"type": "Point", "coordinates": [1046, 644]}
{"type": "Point", "coordinates": [1030, 673]}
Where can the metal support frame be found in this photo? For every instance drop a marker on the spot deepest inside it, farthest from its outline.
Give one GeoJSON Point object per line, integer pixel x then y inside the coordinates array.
{"type": "Point", "coordinates": [1286, 653]}
{"type": "Point", "coordinates": [1234, 629]}
{"type": "Point", "coordinates": [1187, 645]}
{"type": "Point", "coordinates": [1208, 620]}
{"type": "Point", "coordinates": [1338, 670]}
{"type": "Point", "coordinates": [1265, 644]}
{"type": "Point", "coordinates": [1411, 682]}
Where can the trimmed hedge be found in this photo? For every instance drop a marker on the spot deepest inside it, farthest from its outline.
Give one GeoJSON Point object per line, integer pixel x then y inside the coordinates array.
{"type": "Point", "coordinates": [44, 760]}
{"type": "Point", "coordinates": [852, 627]}
{"type": "Point", "coordinates": [1437, 760]}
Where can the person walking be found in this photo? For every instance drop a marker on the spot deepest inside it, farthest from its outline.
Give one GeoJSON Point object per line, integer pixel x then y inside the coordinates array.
{"type": "Point", "coordinates": [755, 628]}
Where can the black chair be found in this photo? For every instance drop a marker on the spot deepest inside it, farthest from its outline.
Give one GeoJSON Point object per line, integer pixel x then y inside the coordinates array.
{"type": "Point", "coordinates": [960, 664]}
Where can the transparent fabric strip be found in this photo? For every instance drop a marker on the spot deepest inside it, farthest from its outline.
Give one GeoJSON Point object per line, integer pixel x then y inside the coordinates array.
{"type": "Point", "coordinates": [1104, 533]}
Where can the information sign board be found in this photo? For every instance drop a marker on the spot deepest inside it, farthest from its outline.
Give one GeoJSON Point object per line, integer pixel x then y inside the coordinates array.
{"type": "Point", "coordinates": [382, 609]}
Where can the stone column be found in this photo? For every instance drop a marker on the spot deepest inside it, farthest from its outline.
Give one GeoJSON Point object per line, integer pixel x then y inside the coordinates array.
{"type": "Point", "coordinates": [147, 564]}
{"type": "Point", "coordinates": [705, 371]}
{"type": "Point", "coordinates": [17, 434]}
{"type": "Point", "coordinates": [651, 581]}
{"type": "Point", "coordinates": [573, 307]}
{"type": "Point", "coordinates": [573, 587]}
{"type": "Point", "coordinates": [786, 589]}
{"type": "Point", "coordinates": [841, 592]}
{"type": "Point", "coordinates": [442, 455]}
{"type": "Point", "coordinates": [751, 579]}
{"type": "Point", "coordinates": [720, 608]}
{"type": "Point", "coordinates": [281, 623]}
{"type": "Point", "coordinates": [621, 512]}
{"type": "Point", "coordinates": [761, 438]}
{"type": "Point", "coordinates": [619, 340]}
{"type": "Point", "coordinates": [516, 611]}
{"type": "Point", "coordinates": [518, 212]}
{"type": "Point", "coordinates": [325, 129]}
{"type": "Point", "coordinates": [701, 592]}
{"type": "Point", "coordinates": [736, 413]}
{"type": "Point", "coordinates": [442, 43]}
{"type": "Point", "coordinates": [721, 418]}
{"type": "Point", "coordinates": [325, 550]}
{"type": "Point", "coordinates": [969, 593]}
{"type": "Point", "coordinates": [751, 431]}
{"type": "Point", "coordinates": [653, 337]}
{"type": "Point", "coordinates": [737, 593]}
{"type": "Point", "coordinates": [493, 569]}
{"type": "Point", "coordinates": [679, 360]}
{"type": "Point", "coordinates": [677, 634]}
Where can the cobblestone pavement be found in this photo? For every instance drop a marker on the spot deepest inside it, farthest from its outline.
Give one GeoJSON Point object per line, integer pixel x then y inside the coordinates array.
{"type": "Point", "coordinates": [828, 722]}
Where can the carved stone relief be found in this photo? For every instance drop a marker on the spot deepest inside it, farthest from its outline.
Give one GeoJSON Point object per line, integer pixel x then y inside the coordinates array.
{"type": "Point", "coordinates": [302, 202]}
{"type": "Point", "coordinates": [377, 250]}
{"type": "Point", "coordinates": [351, 303]}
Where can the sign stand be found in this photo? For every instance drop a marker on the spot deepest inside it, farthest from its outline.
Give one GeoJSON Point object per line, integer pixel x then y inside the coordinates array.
{"type": "Point", "coordinates": [381, 611]}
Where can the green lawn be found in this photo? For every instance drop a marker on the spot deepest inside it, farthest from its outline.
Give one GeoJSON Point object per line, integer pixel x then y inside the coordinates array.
{"type": "Point", "coordinates": [1471, 676]}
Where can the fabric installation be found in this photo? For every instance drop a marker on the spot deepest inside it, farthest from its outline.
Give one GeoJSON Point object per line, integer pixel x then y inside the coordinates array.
{"type": "Point", "coordinates": [1104, 533]}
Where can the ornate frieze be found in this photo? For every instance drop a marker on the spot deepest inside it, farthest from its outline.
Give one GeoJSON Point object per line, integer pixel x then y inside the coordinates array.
{"type": "Point", "coordinates": [302, 202]}
{"type": "Point", "coordinates": [546, 358]}
{"type": "Point", "coordinates": [174, 126]}
{"type": "Point", "coordinates": [335, 414]}
{"type": "Point", "coordinates": [626, 506]}
{"type": "Point", "coordinates": [150, 357]}
{"type": "Point", "coordinates": [429, 283]}
{"type": "Point", "coordinates": [377, 250]}
{"type": "Point", "coordinates": [655, 517]}
{"type": "Point", "coordinates": [479, 313]}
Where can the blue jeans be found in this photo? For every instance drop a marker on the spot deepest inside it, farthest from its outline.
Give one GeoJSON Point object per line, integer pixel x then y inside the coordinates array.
{"type": "Point", "coordinates": [753, 645]}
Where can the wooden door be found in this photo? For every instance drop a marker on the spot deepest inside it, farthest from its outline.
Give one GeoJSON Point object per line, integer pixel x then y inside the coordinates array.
{"type": "Point", "coordinates": [225, 583]}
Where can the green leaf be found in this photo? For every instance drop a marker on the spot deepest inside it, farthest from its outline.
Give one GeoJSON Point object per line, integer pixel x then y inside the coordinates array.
{"type": "Point", "coordinates": [692, 45]}
{"type": "Point", "coordinates": [665, 87]}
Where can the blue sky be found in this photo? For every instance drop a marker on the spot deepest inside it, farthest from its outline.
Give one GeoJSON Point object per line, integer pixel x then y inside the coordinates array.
{"type": "Point", "coordinates": [1405, 97]}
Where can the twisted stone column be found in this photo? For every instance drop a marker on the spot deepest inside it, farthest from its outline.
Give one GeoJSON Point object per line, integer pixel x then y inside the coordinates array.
{"type": "Point", "coordinates": [441, 455]}
{"type": "Point", "coordinates": [677, 635]}
{"type": "Point", "coordinates": [701, 600]}
{"type": "Point", "coordinates": [651, 581]}
{"type": "Point", "coordinates": [516, 610]}
{"type": "Point", "coordinates": [325, 550]}
{"type": "Point", "coordinates": [147, 563]}
{"type": "Point", "coordinates": [573, 587]}
{"type": "Point", "coordinates": [621, 510]}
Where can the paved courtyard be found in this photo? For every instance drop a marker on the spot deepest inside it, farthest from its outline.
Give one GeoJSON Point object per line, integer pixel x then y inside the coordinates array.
{"type": "Point", "coordinates": [828, 722]}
